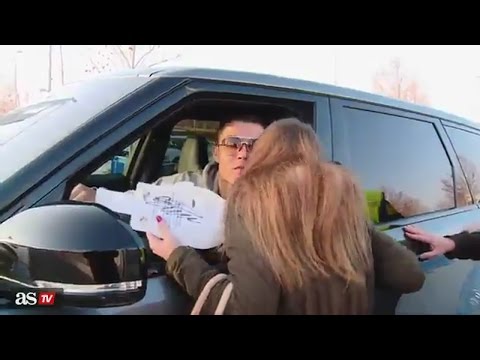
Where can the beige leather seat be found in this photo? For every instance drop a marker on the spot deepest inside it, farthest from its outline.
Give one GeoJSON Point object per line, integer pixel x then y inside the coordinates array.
{"type": "Point", "coordinates": [194, 154]}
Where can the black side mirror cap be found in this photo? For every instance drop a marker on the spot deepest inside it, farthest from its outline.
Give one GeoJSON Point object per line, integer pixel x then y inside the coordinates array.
{"type": "Point", "coordinates": [82, 251]}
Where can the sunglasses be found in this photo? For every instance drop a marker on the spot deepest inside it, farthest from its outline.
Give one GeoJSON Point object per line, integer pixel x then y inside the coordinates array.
{"type": "Point", "coordinates": [234, 143]}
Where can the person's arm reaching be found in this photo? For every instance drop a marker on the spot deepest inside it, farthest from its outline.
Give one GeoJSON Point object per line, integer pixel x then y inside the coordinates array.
{"type": "Point", "coordinates": [467, 246]}
{"type": "Point", "coordinates": [464, 245]}
{"type": "Point", "coordinates": [83, 193]}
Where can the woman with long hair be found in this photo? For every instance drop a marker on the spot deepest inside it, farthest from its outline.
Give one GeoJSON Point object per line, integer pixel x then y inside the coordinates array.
{"type": "Point", "coordinates": [396, 268]}
{"type": "Point", "coordinates": [297, 237]}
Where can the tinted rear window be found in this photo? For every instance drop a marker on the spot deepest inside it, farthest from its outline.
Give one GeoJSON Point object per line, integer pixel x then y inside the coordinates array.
{"type": "Point", "coordinates": [467, 146]}
{"type": "Point", "coordinates": [401, 163]}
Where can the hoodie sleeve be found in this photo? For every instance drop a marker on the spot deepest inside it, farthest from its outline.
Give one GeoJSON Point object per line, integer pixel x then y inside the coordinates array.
{"type": "Point", "coordinates": [467, 246]}
{"type": "Point", "coordinates": [396, 267]}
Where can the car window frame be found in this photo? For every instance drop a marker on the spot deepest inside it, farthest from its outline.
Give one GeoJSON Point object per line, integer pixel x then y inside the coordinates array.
{"type": "Point", "coordinates": [97, 136]}
{"type": "Point", "coordinates": [134, 123]}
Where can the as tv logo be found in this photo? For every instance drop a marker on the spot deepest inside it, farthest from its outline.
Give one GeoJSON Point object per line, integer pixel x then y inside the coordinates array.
{"type": "Point", "coordinates": [42, 298]}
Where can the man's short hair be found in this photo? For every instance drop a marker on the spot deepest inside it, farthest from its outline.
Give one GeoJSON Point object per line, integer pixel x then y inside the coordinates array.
{"type": "Point", "coordinates": [246, 118]}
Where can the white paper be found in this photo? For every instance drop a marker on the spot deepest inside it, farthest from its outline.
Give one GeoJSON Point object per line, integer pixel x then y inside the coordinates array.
{"type": "Point", "coordinates": [193, 214]}
{"type": "Point", "coordinates": [115, 201]}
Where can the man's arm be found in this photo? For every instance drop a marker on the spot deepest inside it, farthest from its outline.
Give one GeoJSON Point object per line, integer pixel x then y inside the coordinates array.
{"type": "Point", "coordinates": [87, 194]}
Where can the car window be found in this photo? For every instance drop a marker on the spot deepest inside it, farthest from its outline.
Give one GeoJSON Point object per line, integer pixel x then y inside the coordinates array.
{"type": "Point", "coordinates": [203, 133]}
{"type": "Point", "coordinates": [467, 147]}
{"type": "Point", "coordinates": [399, 161]}
{"type": "Point", "coordinates": [120, 163]}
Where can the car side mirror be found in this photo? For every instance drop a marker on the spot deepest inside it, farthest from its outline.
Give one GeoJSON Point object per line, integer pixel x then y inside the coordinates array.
{"type": "Point", "coordinates": [83, 252]}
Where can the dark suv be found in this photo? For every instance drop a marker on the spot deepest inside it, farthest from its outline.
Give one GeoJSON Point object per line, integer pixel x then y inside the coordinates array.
{"type": "Point", "coordinates": [421, 163]}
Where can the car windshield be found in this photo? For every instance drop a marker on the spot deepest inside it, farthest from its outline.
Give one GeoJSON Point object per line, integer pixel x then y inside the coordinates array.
{"type": "Point", "coordinates": [29, 131]}
{"type": "Point", "coordinates": [13, 123]}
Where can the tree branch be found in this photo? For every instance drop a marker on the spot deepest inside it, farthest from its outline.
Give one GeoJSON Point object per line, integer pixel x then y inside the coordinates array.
{"type": "Point", "coordinates": [148, 52]}
{"type": "Point", "coordinates": [119, 49]}
{"type": "Point", "coordinates": [94, 65]}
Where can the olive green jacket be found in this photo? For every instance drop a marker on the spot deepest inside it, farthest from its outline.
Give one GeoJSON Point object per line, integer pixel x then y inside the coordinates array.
{"type": "Point", "coordinates": [256, 291]}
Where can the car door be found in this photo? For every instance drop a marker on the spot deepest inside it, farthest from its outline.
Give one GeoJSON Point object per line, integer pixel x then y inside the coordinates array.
{"type": "Point", "coordinates": [86, 148]}
{"type": "Point", "coordinates": [408, 160]}
{"type": "Point", "coordinates": [119, 126]}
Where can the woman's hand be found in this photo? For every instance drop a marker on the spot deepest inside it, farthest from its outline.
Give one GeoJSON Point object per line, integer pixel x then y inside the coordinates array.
{"type": "Point", "coordinates": [164, 246]}
{"type": "Point", "coordinates": [439, 245]}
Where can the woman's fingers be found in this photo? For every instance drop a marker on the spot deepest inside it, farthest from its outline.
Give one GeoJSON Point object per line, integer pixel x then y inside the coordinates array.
{"type": "Point", "coordinates": [418, 234]}
{"type": "Point", "coordinates": [152, 238]}
{"type": "Point", "coordinates": [164, 245]}
{"type": "Point", "coordinates": [163, 227]}
{"type": "Point", "coordinates": [414, 230]}
{"type": "Point", "coordinates": [426, 238]}
{"type": "Point", "coordinates": [430, 254]}
{"type": "Point", "coordinates": [439, 245]}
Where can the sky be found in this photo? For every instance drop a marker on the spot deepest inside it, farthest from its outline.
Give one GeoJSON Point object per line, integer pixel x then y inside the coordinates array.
{"type": "Point", "coordinates": [448, 74]}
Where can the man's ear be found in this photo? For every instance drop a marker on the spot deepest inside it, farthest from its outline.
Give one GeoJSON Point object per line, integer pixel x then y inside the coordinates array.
{"type": "Point", "coordinates": [215, 153]}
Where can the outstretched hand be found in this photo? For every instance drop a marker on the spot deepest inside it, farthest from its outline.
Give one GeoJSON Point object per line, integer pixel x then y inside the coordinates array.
{"type": "Point", "coordinates": [439, 245]}
{"type": "Point", "coordinates": [165, 245]}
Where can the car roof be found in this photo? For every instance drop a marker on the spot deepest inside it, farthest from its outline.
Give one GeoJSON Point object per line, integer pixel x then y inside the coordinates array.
{"type": "Point", "coordinates": [287, 83]}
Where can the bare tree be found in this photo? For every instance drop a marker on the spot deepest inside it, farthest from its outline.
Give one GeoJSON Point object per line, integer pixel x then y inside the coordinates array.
{"type": "Point", "coordinates": [394, 82]}
{"type": "Point", "coordinates": [115, 57]}
{"type": "Point", "coordinates": [50, 59]}
{"type": "Point", "coordinates": [404, 204]}
{"type": "Point", "coordinates": [62, 69]}
{"type": "Point", "coordinates": [464, 186]}
{"type": "Point", "coordinates": [472, 175]}
{"type": "Point", "coordinates": [7, 99]}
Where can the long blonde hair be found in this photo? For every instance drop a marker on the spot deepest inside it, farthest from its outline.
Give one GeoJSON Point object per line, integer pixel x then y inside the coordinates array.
{"type": "Point", "coordinates": [285, 139]}
{"type": "Point", "coordinates": [305, 217]}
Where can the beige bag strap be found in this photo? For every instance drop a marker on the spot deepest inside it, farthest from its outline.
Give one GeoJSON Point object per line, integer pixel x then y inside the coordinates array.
{"type": "Point", "coordinates": [206, 291]}
{"type": "Point", "coordinates": [222, 304]}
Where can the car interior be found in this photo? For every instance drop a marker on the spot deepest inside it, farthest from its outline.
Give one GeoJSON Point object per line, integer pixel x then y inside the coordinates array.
{"type": "Point", "coordinates": [183, 141]}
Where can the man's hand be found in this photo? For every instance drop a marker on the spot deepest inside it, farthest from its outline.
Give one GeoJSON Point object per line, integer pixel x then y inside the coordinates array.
{"type": "Point", "coordinates": [439, 245]}
{"type": "Point", "coordinates": [83, 193]}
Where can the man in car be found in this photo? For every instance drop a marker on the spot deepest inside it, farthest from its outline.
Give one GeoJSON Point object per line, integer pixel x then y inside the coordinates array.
{"type": "Point", "coordinates": [235, 139]}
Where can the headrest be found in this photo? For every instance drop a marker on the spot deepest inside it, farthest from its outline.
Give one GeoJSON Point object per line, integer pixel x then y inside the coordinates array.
{"type": "Point", "coordinates": [189, 157]}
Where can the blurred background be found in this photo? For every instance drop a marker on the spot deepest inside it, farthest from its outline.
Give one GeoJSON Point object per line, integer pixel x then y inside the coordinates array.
{"type": "Point", "coordinates": [446, 77]}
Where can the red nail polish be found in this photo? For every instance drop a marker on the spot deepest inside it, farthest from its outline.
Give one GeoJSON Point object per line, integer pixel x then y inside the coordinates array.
{"type": "Point", "coordinates": [159, 218]}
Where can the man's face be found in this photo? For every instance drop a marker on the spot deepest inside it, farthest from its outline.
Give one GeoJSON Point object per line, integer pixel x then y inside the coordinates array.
{"type": "Point", "coordinates": [232, 152]}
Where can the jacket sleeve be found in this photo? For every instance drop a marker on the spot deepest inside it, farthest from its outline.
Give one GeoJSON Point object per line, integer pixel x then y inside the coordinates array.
{"type": "Point", "coordinates": [467, 246]}
{"type": "Point", "coordinates": [254, 290]}
{"type": "Point", "coordinates": [396, 267]}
